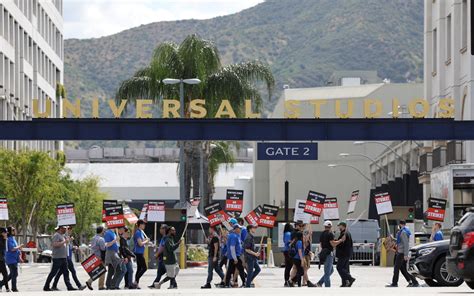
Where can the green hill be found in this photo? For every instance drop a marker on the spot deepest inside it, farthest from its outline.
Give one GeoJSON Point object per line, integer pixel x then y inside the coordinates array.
{"type": "Point", "coordinates": [304, 41]}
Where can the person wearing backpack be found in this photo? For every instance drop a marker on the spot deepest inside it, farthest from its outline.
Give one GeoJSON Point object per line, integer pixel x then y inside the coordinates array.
{"type": "Point", "coordinates": [297, 255]}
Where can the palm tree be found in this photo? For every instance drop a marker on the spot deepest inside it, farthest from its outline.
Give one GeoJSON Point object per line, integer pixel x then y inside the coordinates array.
{"type": "Point", "coordinates": [198, 58]}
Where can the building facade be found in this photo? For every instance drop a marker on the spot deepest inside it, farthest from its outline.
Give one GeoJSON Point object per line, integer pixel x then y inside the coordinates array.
{"type": "Point", "coordinates": [31, 62]}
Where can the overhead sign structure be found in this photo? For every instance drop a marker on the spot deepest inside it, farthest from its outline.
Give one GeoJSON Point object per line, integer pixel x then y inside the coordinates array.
{"type": "Point", "coordinates": [156, 211]}
{"type": "Point", "coordinates": [94, 267]}
{"type": "Point", "coordinates": [436, 209]}
{"type": "Point", "coordinates": [287, 151]}
{"type": "Point", "coordinates": [383, 203]}
{"type": "Point", "coordinates": [65, 214]}
{"type": "Point", "coordinates": [129, 215]}
{"type": "Point", "coordinates": [268, 216]}
{"type": "Point", "coordinates": [331, 209]}
{"type": "Point", "coordinates": [215, 214]}
{"type": "Point", "coordinates": [3, 209]}
{"type": "Point", "coordinates": [234, 200]}
{"type": "Point", "coordinates": [253, 216]}
{"type": "Point", "coordinates": [114, 216]}
{"type": "Point", "coordinates": [315, 203]}
{"type": "Point", "coordinates": [105, 203]}
{"type": "Point", "coordinates": [353, 202]}
{"type": "Point", "coordinates": [143, 212]}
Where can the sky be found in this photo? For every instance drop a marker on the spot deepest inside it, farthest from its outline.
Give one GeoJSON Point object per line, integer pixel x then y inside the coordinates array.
{"type": "Point", "coordinates": [97, 18]}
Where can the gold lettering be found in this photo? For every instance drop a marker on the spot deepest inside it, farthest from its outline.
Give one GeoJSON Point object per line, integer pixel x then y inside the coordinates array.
{"type": "Point", "coordinates": [413, 108]}
{"type": "Point", "coordinates": [446, 107]}
{"type": "Point", "coordinates": [248, 110]}
{"type": "Point", "coordinates": [350, 109]}
{"type": "Point", "coordinates": [198, 109]}
{"type": "Point", "coordinates": [74, 109]}
{"type": "Point", "coordinates": [395, 108]}
{"type": "Point", "coordinates": [144, 108]}
{"type": "Point", "coordinates": [95, 108]}
{"type": "Point", "coordinates": [117, 111]}
{"type": "Point", "coordinates": [37, 113]}
{"type": "Point", "coordinates": [292, 110]}
{"type": "Point", "coordinates": [317, 107]}
{"type": "Point", "coordinates": [368, 113]}
{"type": "Point", "coordinates": [171, 107]}
{"type": "Point", "coordinates": [225, 109]}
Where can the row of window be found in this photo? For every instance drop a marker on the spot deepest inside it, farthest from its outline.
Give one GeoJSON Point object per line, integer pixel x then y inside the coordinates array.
{"type": "Point", "coordinates": [449, 36]}
{"type": "Point", "coordinates": [12, 31]}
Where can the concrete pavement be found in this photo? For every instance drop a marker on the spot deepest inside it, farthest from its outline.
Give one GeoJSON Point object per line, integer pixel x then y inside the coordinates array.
{"type": "Point", "coordinates": [370, 280]}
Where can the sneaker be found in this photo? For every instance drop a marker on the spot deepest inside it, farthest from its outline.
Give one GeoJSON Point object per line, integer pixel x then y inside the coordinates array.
{"type": "Point", "coordinates": [46, 289]}
{"type": "Point", "coordinates": [83, 287]}
{"type": "Point", "coordinates": [311, 285]}
{"type": "Point", "coordinates": [151, 287]}
{"type": "Point", "coordinates": [391, 286]}
{"type": "Point", "coordinates": [206, 286]}
{"type": "Point", "coordinates": [71, 289]}
{"type": "Point", "coordinates": [350, 282]}
{"type": "Point", "coordinates": [55, 289]}
{"type": "Point", "coordinates": [89, 286]}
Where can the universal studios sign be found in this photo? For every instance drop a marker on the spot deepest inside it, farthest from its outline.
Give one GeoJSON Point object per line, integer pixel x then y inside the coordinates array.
{"type": "Point", "coordinates": [372, 108]}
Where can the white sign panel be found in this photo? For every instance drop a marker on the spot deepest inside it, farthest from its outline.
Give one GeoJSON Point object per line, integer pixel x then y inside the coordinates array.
{"type": "Point", "coordinates": [353, 202]}
{"type": "Point", "coordinates": [66, 215]}
{"type": "Point", "coordinates": [143, 212]}
{"type": "Point", "coordinates": [383, 203]}
{"type": "Point", "coordinates": [156, 211]}
{"type": "Point", "coordinates": [300, 215]}
{"type": "Point", "coordinates": [3, 209]}
{"type": "Point", "coordinates": [331, 209]}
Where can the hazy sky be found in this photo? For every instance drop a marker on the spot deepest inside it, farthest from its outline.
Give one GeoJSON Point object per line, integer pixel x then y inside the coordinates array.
{"type": "Point", "coordinates": [96, 18]}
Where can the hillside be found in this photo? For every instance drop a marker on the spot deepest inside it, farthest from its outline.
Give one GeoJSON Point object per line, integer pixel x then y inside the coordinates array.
{"type": "Point", "coordinates": [304, 41]}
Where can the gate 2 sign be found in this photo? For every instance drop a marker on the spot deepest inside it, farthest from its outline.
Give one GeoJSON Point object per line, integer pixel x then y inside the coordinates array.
{"type": "Point", "coordinates": [287, 151]}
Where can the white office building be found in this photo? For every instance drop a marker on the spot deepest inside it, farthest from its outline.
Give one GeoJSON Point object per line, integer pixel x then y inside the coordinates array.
{"type": "Point", "coordinates": [31, 62]}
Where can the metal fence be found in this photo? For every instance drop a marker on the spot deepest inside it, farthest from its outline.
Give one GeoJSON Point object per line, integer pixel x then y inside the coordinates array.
{"type": "Point", "coordinates": [362, 253]}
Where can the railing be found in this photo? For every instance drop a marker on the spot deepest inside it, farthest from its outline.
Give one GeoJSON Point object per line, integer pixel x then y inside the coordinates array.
{"type": "Point", "coordinates": [362, 253]}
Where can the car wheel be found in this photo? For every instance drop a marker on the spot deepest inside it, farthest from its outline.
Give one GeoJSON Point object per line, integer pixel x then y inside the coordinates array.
{"type": "Point", "coordinates": [443, 277]}
{"type": "Point", "coordinates": [470, 284]}
{"type": "Point", "coordinates": [431, 283]}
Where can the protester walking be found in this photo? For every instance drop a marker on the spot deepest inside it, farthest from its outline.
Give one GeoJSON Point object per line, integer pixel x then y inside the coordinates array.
{"type": "Point", "coordinates": [3, 266]}
{"type": "Point", "coordinates": [161, 269]}
{"type": "Point", "coordinates": [70, 263]}
{"type": "Point", "coordinates": [169, 259]}
{"type": "Point", "coordinates": [251, 255]}
{"type": "Point", "coordinates": [287, 231]}
{"type": "Point", "coordinates": [213, 258]}
{"type": "Point", "coordinates": [112, 260]}
{"type": "Point", "coordinates": [326, 257]}
{"type": "Point", "coordinates": [127, 255]}
{"type": "Point", "coordinates": [140, 240]}
{"type": "Point", "coordinates": [13, 258]}
{"type": "Point", "coordinates": [307, 255]}
{"type": "Point", "coordinates": [98, 249]}
{"type": "Point", "coordinates": [296, 252]}
{"type": "Point", "coordinates": [401, 257]}
{"type": "Point", "coordinates": [436, 233]}
{"type": "Point", "coordinates": [234, 251]}
{"type": "Point", "coordinates": [60, 263]}
{"type": "Point", "coordinates": [343, 254]}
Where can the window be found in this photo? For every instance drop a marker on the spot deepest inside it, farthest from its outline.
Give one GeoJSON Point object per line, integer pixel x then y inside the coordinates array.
{"type": "Point", "coordinates": [464, 26]}
{"type": "Point", "coordinates": [448, 39]}
{"type": "Point", "coordinates": [435, 51]}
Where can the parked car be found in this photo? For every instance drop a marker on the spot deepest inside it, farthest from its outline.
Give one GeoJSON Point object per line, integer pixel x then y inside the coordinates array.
{"type": "Point", "coordinates": [460, 261]}
{"type": "Point", "coordinates": [428, 262]}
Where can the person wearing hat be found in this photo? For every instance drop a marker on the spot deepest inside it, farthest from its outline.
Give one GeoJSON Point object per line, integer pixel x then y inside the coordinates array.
{"type": "Point", "coordinates": [60, 251]}
{"type": "Point", "coordinates": [161, 270]}
{"type": "Point", "coordinates": [234, 250]}
{"type": "Point", "coordinates": [70, 263]}
{"type": "Point", "coordinates": [326, 257]}
{"type": "Point", "coordinates": [251, 255]}
{"type": "Point", "coordinates": [3, 266]}
{"type": "Point", "coordinates": [212, 258]}
{"type": "Point", "coordinates": [343, 255]}
{"type": "Point", "coordinates": [141, 240]}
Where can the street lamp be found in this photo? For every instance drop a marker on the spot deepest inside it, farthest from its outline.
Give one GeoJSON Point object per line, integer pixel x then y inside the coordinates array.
{"type": "Point", "coordinates": [171, 81]}
{"type": "Point", "coordinates": [365, 156]}
{"type": "Point", "coordinates": [386, 146]}
{"type": "Point", "coordinates": [352, 167]}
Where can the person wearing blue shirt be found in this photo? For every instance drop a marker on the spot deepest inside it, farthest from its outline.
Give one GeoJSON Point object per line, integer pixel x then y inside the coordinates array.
{"type": "Point", "coordinates": [161, 270]}
{"type": "Point", "coordinates": [287, 231]}
{"type": "Point", "coordinates": [12, 258]}
{"type": "Point", "coordinates": [3, 266]}
{"type": "Point", "coordinates": [234, 251]}
{"type": "Point", "coordinates": [437, 234]}
{"type": "Point", "coordinates": [112, 259]}
{"type": "Point", "coordinates": [297, 245]}
{"type": "Point", "coordinates": [140, 241]}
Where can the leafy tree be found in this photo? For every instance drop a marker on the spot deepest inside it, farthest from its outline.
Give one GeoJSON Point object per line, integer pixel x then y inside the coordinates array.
{"type": "Point", "coordinates": [197, 58]}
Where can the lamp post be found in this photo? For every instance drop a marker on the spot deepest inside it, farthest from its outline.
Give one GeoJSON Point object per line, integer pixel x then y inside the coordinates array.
{"type": "Point", "coordinates": [386, 146]}
{"type": "Point", "coordinates": [352, 167]}
{"type": "Point", "coordinates": [171, 81]}
{"type": "Point", "coordinates": [364, 156]}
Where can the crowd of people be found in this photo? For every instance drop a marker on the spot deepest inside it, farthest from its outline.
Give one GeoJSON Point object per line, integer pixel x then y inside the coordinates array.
{"type": "Point", "coordinates": [234, 251]}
